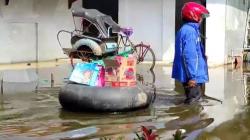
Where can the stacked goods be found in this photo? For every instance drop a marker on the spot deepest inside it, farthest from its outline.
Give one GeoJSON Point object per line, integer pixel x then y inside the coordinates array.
{"type": "Point", "coordinates": [90, 74]}
{"type": "Point", "coordinates": [122, 74]}
{"type": "Point", "coordinates": [117, 71]}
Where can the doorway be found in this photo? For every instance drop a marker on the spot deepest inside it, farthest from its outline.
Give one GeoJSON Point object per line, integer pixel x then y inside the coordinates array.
{"type": "Point", "coordinates": [109, 7]}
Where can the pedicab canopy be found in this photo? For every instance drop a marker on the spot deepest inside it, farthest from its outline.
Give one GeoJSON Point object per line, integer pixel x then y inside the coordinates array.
{"type": "Point", "coordinates": [69, 2]}
{"type": "Point", "coordinates": [97, 18]}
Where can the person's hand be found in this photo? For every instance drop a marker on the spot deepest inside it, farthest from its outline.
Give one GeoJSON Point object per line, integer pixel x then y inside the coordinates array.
{"type": "Point", "coordinates": [191, 83]}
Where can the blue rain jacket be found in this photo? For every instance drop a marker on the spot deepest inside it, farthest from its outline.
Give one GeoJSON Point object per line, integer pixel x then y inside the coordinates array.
{"type": "Point", "coordinates": [190, 60]}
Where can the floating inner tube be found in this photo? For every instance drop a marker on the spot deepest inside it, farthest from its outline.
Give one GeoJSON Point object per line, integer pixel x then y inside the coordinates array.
{"type": "Point", "coordinates": [77, 97]}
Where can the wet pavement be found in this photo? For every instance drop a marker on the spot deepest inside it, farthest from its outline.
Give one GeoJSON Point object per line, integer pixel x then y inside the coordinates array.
{"type": "Point", "coordinates": [29, 107]}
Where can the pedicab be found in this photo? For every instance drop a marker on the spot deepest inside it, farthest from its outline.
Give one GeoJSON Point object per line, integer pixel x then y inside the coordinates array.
{"type": "Point", "coordinates": [97, 37]}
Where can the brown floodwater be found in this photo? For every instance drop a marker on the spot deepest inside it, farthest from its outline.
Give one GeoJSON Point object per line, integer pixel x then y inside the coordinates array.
{"type": "Point", "coordinates": [29, 107]}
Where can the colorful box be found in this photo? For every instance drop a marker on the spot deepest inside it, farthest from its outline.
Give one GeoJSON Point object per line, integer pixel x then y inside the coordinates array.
{"type": "Point", "coordinates": [123, 74]}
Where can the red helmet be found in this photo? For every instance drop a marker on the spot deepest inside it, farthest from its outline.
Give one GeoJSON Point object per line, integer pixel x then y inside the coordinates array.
{"type": "Point", "coordinates": [192, 11]}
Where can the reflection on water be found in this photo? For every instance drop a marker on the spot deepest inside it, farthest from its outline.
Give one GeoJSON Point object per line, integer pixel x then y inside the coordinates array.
{"type": "Point", "coordinates": [23, 81]}
{"type": "Point", "coordinates": [35, 113]}
{"type": "Point", "coordinates": [238, 125]}
{"type": "Point", "coordinates": [235, 129]}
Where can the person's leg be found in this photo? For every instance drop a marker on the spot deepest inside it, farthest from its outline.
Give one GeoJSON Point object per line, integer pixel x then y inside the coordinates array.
{"type": "Point", "coordinates": [187, 91]}
{"type": "Point", "coordinates": [203, 89]}
{"type": "Point", "coordinates": [193, 94]}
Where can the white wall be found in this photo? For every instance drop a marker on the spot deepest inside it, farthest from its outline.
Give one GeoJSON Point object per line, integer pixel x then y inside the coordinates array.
{"type": "Point", "coordinates": [168, 42]}
{"type": "Point", "coordinates": [236, 14]}
{"type": "Point", "coordinates": [24, 23]}
{"type": "Point", "coordinates": [225, 29]}
{"type": "Point", "coordinates": [153, 22]}
{"type": "Point", "coordinates": [215, 32]}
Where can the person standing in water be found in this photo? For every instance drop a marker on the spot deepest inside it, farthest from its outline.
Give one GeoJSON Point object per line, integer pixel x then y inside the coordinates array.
{"type": "Point", "coordinates": [190, 62]}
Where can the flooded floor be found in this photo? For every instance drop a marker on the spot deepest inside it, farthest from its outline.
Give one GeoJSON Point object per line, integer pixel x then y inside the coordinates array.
{"type": "Point", "coordinates": [29, 107]}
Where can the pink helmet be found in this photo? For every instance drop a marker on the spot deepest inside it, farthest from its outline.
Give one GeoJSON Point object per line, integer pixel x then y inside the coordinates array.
{"type": "Point", "coordinates": [192, 11]}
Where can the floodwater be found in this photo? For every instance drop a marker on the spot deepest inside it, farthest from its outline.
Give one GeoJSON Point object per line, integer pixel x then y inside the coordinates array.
{"type": "Point", "coordinates": [29, 107]}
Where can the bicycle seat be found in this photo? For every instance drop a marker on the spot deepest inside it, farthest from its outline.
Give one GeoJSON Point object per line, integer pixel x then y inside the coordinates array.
{"type": "Point", "coordinates": [127, 31]}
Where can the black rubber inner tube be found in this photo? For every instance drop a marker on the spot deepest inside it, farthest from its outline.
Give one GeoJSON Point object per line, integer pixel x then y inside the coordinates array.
{"type": "Point", "coordinates": [76, 97]}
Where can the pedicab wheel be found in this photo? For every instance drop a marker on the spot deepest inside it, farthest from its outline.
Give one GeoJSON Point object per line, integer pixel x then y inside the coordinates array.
{"type": "Point", "coordinates": [74, 39]}
{"type": "Point", "coordinates": [144, 52]}
{"type": "Point", "coordinates": [85, 53]}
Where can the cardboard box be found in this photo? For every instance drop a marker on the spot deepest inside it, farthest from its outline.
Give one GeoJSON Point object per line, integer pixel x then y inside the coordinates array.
{"type": "Point", "coordinates": [127, 69]}
{"type": "Point", "coordinates": [120, 84]}
{"type": "Point", "coordinates": [111, 63]}
{"type": "Point", "coordinates": [127, 74]}
{"type": "Point", "coordinates": [122, 73]}
{"type": "Point", "coordinates": [111, 74]}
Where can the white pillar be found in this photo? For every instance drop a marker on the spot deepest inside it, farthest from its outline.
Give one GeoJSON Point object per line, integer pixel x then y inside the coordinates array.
{"type": "Point", "coordinates": [153, 23]}
{"type": "Point", "coordinates": [215, 32]}
{"type": "Point", "coordinates": [168, 30]}
{"type": "Point", "coordinates": [215, 47]}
